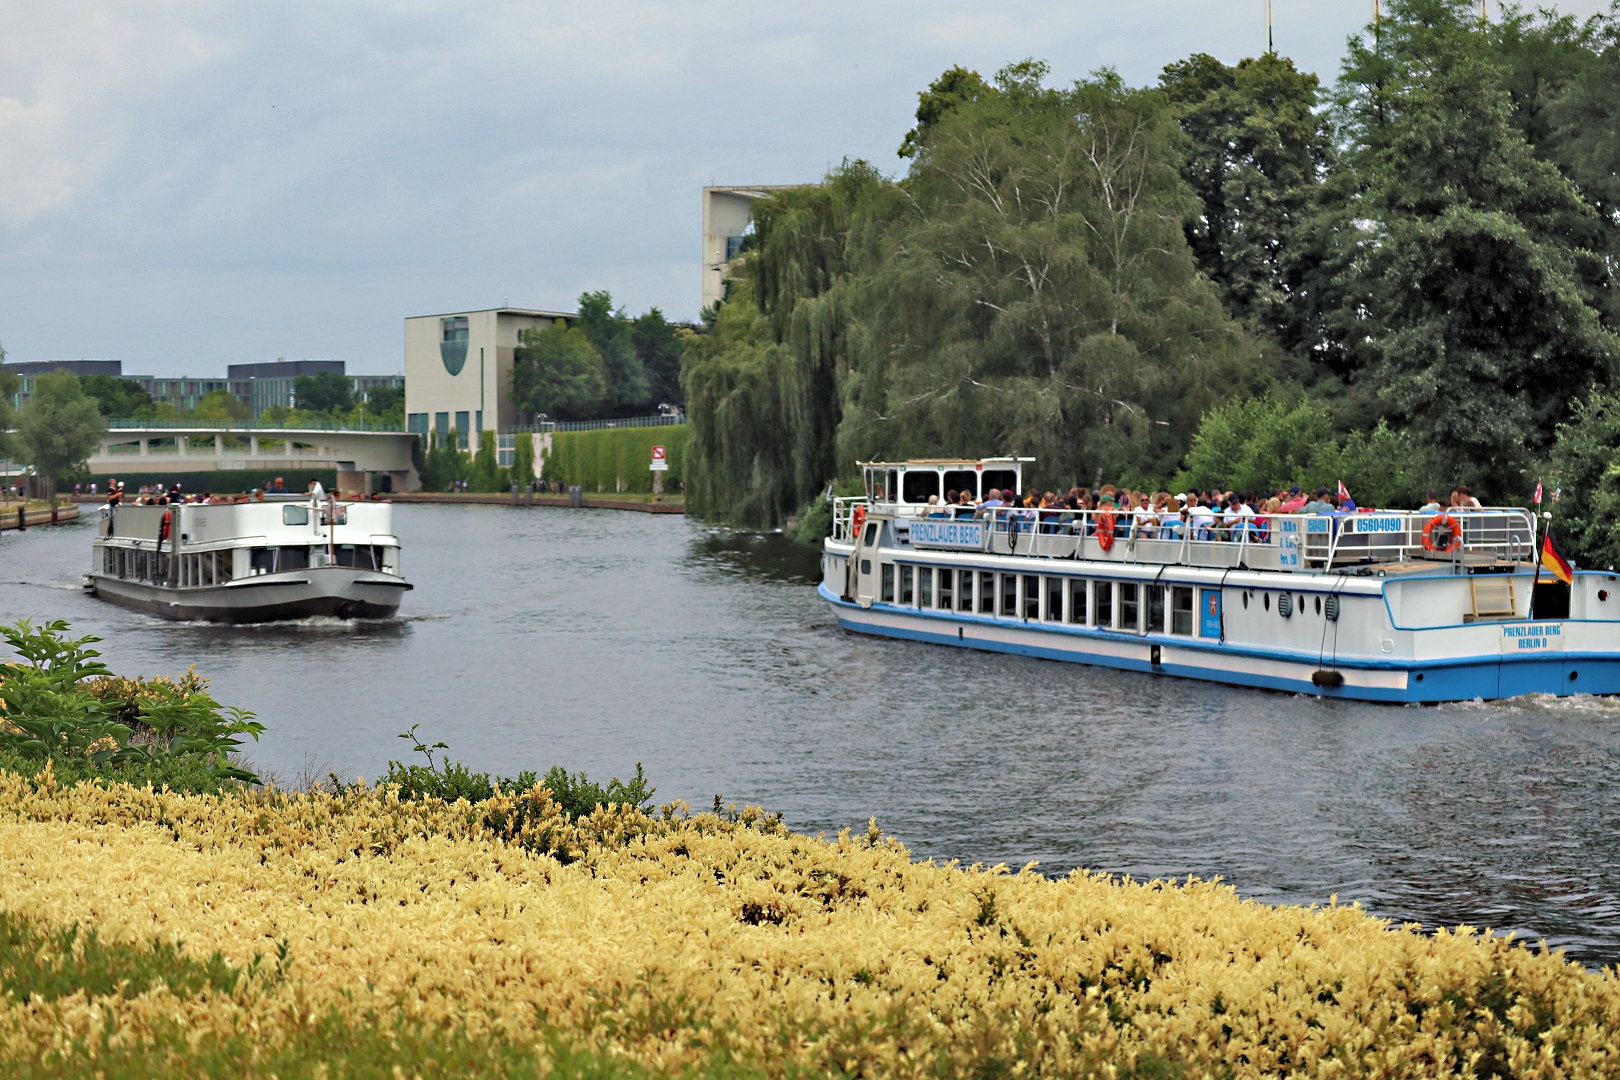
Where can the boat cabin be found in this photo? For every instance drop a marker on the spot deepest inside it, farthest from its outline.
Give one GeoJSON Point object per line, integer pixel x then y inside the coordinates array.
{"type": "Point", "coordinates": [910, 483]}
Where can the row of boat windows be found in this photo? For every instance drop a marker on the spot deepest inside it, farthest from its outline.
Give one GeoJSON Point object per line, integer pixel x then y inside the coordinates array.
{"type": "Point", "coordinates": [1120, 605]}
{"type": "Point", "coordinates": [205, 568]}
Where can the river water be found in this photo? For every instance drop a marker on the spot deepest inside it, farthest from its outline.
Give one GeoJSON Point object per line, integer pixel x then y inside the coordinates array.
{"type": "Point", "coordinates": [596, 639]}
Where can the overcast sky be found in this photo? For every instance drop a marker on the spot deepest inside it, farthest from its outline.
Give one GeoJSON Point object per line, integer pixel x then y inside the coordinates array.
{"type": "Point", "coordinates": [185, 185]}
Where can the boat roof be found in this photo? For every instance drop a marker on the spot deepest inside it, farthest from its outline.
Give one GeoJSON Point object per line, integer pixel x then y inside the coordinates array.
{"type": "Point", "coordinates": [941, 461]}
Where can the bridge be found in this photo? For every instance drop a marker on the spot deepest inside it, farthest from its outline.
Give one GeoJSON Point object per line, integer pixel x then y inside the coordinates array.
{"type": "Point", "coordinates": [362, 455]}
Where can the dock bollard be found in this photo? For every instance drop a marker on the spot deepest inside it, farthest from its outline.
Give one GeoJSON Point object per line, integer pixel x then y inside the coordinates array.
{"type": "Point", "coordinates": [22, 517]}
{"type": "Point", "coordinates": [576, 496]}
{"type": "Point", "coordinates": [514, 493]}
{"type": "Point", "coordinates": [528, 495]}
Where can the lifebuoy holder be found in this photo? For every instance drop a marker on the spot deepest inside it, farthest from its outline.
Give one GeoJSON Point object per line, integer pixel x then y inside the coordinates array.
{"type": "Point", "coordinates": [857, 521]}
{"type": "Point", "coordinates": [1442, 534]}
{"type": "Point", "coordinates": [1105, 530]}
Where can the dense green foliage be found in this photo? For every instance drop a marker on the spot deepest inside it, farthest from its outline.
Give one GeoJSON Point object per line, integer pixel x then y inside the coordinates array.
{"type": "Point", "coordinates": [58, 702]}
{"type": "Point", "coordinates": [617, 459]}
{"type": "Point", "coordinates": [608, 365]}
{"type": "Point", "coordinates": [117, 396]}
{"type": "Point", "coordinates": [60, 963]}
{"type": "Point", "coordinates": [59, 426]}
{"type": "Point", "coordinates": [1402, 283]}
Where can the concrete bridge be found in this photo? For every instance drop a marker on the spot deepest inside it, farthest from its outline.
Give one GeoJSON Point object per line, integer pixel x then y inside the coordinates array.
{"type": "Point", "coordinates": [362, 458]}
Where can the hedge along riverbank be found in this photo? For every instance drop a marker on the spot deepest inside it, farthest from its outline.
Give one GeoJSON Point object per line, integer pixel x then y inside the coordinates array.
{"type": "Point", "coordinates": [616, 459]}
{"type": "Point", "coordinates": [711, 944]}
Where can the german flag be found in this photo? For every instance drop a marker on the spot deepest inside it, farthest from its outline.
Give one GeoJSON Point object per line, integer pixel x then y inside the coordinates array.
{"type": "Point", "coordinates": [1554, 561]}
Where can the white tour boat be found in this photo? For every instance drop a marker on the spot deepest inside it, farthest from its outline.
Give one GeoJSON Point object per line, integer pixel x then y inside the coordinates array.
{"type": "Point", "coordinates": [250, 561]}
{"type": "Point", "coordinates": [1383, 606]}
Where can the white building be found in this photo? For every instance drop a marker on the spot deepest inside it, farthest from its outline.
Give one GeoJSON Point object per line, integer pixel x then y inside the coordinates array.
{"type": "Point", "coordinates": [727, 217]}
{"type": "Point", "coordinates": [458, 370]}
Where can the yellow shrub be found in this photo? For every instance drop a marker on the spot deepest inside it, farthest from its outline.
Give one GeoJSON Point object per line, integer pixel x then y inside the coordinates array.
{"type": "Point", "coordinates": [669, 938]}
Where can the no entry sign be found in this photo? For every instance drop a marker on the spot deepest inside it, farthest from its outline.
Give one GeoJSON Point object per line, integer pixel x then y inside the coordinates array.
{"type": "Point", "coordinates": [659, 464]}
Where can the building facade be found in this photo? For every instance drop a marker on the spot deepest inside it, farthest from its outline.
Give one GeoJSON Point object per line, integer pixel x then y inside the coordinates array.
{"type": "Point", "coordinates": [28, 372]}
{"type": "Point", "coordinates": [728, 217]}
{"type": "Point", "coordinates": [258, 386]}
{"type": "Point", "coordinates": [458, 370]}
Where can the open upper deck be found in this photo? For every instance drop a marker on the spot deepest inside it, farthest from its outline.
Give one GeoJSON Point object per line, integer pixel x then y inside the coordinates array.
{"type": "Point", "coordinates": [1282, 542]}
{"type": "Point", "coordinates": [912, 483]}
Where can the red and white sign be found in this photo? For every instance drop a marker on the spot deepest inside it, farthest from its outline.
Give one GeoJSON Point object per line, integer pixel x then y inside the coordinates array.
{"type": "Point", "coordinates": [659, 464]}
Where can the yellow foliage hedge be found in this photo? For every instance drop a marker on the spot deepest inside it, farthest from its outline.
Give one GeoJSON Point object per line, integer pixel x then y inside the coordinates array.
{"type": "Point", "coordinates": [676, 937]}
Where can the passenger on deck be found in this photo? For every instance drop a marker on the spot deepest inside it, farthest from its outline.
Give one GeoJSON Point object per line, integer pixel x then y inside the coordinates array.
{"type": "Point", "coordinates": [1318, 504]}
{"type": "Point", "coordinates": [1294, 503]}
{"type": "Point", "coordinates": [1465, 500]}
{"type": "Point", "coordinates": [1433, 505]}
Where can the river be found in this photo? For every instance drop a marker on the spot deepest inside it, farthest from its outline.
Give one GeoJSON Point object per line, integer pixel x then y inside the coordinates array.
{"type": "Point", "coordinates": [596, 639]}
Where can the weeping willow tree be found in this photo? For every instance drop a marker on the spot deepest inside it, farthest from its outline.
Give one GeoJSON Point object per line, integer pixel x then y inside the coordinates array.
{"type": "Point", "coordinates": [1026, 289]}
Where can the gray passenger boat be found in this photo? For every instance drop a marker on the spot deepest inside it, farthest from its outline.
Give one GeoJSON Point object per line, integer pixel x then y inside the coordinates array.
{"type": "Point", "coordinates": [250, 562]}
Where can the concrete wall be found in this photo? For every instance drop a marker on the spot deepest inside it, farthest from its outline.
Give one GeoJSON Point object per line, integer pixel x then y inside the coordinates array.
{"type": "Point", "coordinates": [726, 213]}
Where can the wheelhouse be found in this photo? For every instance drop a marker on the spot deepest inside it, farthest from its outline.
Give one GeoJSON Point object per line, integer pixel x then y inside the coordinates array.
{"type": "Point", "coordinates": [912, 483]}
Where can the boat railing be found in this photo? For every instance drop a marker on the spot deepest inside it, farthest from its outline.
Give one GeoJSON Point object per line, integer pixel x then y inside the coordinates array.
{"type": "Point", "coordinates": [1285, 542]}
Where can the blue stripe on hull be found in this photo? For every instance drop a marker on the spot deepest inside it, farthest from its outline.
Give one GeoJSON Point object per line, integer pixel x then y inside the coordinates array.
{"type": "Point", "coordinates": [1434, 682]}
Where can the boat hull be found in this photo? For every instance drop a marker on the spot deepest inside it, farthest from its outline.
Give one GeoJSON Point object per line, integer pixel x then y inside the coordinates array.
{"type": "Point", "coordinates": [333, 591]}
{"type": "Point", "coordinates": [1393, 681]}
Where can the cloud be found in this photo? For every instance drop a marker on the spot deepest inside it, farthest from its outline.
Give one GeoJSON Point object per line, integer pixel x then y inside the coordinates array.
{"type": "Point", "coordinates": [189, 184]}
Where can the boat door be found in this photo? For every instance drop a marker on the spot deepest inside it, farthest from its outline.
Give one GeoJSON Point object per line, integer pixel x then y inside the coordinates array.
{"type": "Point", "coordinates": [864, 563]}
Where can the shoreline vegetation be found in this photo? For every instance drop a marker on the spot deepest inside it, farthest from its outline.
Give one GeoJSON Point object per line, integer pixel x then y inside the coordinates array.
{"type": "Point", "coordinates": [164, 914]}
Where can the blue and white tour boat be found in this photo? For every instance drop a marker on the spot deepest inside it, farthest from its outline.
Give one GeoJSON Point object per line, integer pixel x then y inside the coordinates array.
{"type": "Point", "coordinates": [1390, 606]}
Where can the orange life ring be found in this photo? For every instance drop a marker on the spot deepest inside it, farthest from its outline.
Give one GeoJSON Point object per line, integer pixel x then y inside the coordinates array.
{"type": "Point", "coordinates": [856, 522]}
{"type": "Point", "coordinates": [1450, 534]}
{"type": "Point", "coordinates": [1105, 530]}
{"type": "Point", "coordinates": [163, 531]}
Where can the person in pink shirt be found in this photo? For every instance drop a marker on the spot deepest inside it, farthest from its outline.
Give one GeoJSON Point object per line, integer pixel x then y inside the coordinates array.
{"type": "Point", "coordinates": [1294, 503]}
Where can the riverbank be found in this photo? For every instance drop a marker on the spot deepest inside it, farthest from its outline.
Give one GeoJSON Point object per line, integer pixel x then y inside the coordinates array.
{"type": "Point", "coordinates": [36, 512]}
{"type": "Point", "coordinates": [665, 504]}
{"type": "Point", "coordinates": [716, 944]}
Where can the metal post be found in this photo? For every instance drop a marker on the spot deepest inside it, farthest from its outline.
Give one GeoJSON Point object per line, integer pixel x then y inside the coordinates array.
{"type": "Point", "coordinates": [174, 545]}
{"type": "Point", "coordinates": [22, 516]}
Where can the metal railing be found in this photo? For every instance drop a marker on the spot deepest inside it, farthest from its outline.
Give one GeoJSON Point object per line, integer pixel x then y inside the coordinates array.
{"type": "Point", "coordinates": [1286, 542]}
{"type": "Point", "coordinates": [594, 425]}
{"type": "Point", "coordinates": [171, 424]}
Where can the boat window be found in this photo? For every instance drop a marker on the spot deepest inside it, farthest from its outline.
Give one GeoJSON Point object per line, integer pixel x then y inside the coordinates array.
{"type": "Point", "coordinates": [1129, 608]}
{"type": "Point", "coordinates": [1032, 597]}
{"type": "Point", "coordinates": [295, 515]}
{"type": "Point", "coordinates": [925, 586]}
{"type": "Point", "coordinates": [1077, 602]}
{"type": "Point", "coordinates": [355, 555]}
{"type": "Point", "coordinates": [1181, 609]}
{"type": "Point", "coordinates": [962, 480]}
{"type": "Point", "coordinates": [1054, 599]}
{"type": "Point", "coordinates": [947, 594]}
{"type": "Point", "coordinates": [987, 593]}
{"type": "Point", "coordinates": [871, 484]}
{"type": "Point", "coordinates": [999, 478]}
{"type": "Point", "coordinates": [918, 484]}
{"type": "Point", "coordinates": [1102, 602]}
{"type": "Point", "coordinates": [907, 575]}
{"type": "Point", "coordinates": [893, 488]}
{"type": "Point", "coordinates": [964, 600]}
{"type": "Point", "coordinates": [1009, 595]}
{"type": "Point", "coordinates": [871, 533]}
{"type": "Point", "coordinates": [1155, 609]}
{"type": "Point", "coordinates": [262, 560]}
{"type": "Point", "coordinates": [888, 583]}
{"type": "Point", "coordinates": [293, 558]}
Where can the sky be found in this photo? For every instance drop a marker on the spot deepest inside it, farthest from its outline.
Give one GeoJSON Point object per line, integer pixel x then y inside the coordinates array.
{"type": "Point", "coordinates": [186, 185]}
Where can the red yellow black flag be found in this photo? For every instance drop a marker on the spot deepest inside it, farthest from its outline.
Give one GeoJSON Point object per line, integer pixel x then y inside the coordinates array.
{"type": "Point", "coordinates": [1554, 561]}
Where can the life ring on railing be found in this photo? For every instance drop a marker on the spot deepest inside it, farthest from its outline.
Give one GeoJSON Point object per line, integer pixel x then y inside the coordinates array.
{"type": "Point", "coordinates": [163, 530]}
{"type": "Point", "coordinates": [857, 521]}
{"type": "Point", "coordinates": [1105, 530]}
{"type": "Point", "coordinates": [1442, 534]}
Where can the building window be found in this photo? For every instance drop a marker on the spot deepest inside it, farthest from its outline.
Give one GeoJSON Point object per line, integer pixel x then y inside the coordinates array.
{"type": "Point", "coordinates": [441, 427]}
{"type": "Point", "coordinates": [455, 328]}
{"type": "Point", "coordinates": [478, 423]}
{"type": "Point", "coordinates": [417, 423]}
{"type": "Point", "coordinates": [461, 430]}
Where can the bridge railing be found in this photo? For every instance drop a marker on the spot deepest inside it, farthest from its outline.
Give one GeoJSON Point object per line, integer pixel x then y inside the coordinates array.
{"type": "Point", "coordinates": [171, 424]}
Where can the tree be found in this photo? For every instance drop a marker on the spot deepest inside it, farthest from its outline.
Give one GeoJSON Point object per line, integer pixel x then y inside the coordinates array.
{"type": "Point", "coordinates": [1476, 297]}
{"type": "Point", "coordinates": [59, 427]}
{"type": "Point", "coordinates": [1587, 514]}
{"type": "Point", "coordinates": [953, 89]}
{"type": "Point", "coordinates": [323, 392]}
{"type": "Point", "coordinates": [1585, 142]}
{"type": "Point", "coordinates": [611, 332]}
{"type": "Point", "coordinates": [558, 372]}
{"type": "Point", "coordinates": [1254, 152]}
{"type": "Point", "coordinates": [385, 405]}
{"type": "Point", "coordinates": [9, 385]}
{"type": "Point", "coordinates": [659, 346]}
{"type": "Point", "coordinates": [221, 405]}
{"type": "Point", "coordinates": [116, 396]}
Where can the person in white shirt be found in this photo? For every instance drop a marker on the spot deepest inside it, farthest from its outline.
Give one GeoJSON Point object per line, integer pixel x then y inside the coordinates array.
{"type": "Point", "coordinates": [316, 491]}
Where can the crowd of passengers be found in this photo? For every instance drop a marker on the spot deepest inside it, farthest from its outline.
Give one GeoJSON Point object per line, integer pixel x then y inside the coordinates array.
{"type": "Point", "coordinates": [1202, 515]}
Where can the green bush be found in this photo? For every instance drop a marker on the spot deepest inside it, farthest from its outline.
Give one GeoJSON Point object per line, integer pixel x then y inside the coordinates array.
{"type": "Point", "coordinates": [616, 459]}
{"type": "Point", "coordinates": [59, 703]}
{"type": "Point", "coordinates": [450, 780]}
